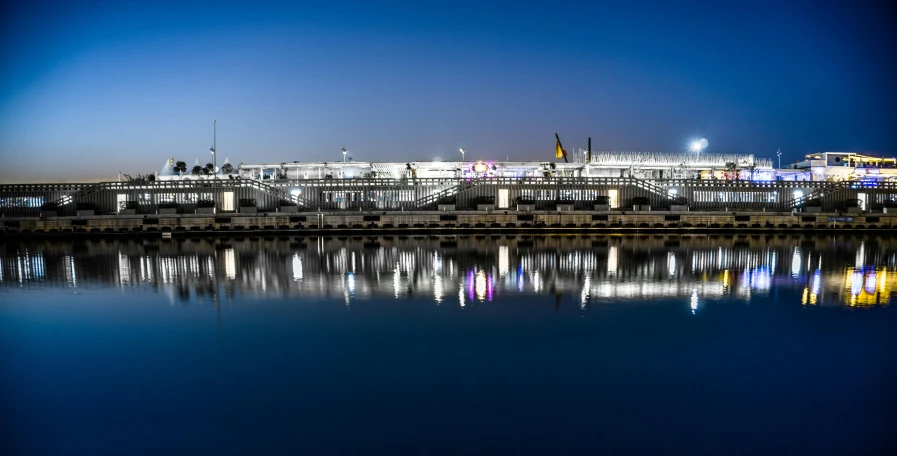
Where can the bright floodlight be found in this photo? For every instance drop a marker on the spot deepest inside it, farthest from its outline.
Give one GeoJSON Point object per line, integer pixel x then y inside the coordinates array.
{"type": "Point", "coordinates": [699, 145]}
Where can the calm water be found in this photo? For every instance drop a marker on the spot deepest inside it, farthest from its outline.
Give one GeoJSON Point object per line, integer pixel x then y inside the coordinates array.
{"type": "Point", "coordinates": [558, 345]}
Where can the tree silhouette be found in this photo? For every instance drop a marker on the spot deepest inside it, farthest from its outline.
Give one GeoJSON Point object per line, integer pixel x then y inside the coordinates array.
{"type": "Point", "coordinates": [180, 167]}
{"type": "Point", "coordinates": [227, 168]}
{"type": "Point", "coordinates": [197, 170]}
{"type": "Point", "coordinates": [209, 169]}
{"type": "Point", "coordinates": [732, 168]}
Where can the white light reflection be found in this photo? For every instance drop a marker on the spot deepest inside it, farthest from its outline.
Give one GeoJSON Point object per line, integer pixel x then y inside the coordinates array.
{"type": "Point", "coordinates": [503, 260]}
{"type": "Point", "coordinates": [612, 258]}
{"type": "Point", "coordinates": [350, 283]}
{"type": "Point", "coordinates": [71, 277]}
{"type": "Point", "coordinates": [395, 281]}
{"type": "Point", "coordinates": [761, 278]}
{"type": "Point", "coordinates": [817, 282]}
{"type": "Point", "coordinates": [230, 264]}
{"type": "Point", "coordinates": [856, 285]}
{"type": "Point", "coordinates": [671, 264]}
{"type": "Point", "coordinates": [584, 295]}
{"type": "Point", "coordinates": [297, 268]}
{"type": "Point", "coordinates": [795, 263]}
{"type": "Point", "coordinates": [870, 283]}
{"type": "Point", "coordinates": [37, 266]}
{"type": "Point", "coordinates": [694, 301]}
{"type": "Point", "coordinates": [437, 264]}
{"type": "Point", "coordinates": [437, 289]}
{"type": "Point", "coordinates": [461, 293]}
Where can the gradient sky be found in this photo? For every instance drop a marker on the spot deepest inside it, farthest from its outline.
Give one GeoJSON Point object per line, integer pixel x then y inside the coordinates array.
{"type": "Point", "coordinates": [88, 89]}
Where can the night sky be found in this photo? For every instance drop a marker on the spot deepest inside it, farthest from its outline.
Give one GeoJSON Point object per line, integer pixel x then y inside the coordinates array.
{"type": "Point", "coordinates": [88, 89]}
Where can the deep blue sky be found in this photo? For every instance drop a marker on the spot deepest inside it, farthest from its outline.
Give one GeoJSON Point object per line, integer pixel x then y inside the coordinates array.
{"type": "Point", "coordinates": [88, 89]}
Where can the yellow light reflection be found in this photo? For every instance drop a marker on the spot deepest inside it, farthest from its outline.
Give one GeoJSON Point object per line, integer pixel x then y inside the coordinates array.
{"type": "Point", "coordinates": [480, 285]}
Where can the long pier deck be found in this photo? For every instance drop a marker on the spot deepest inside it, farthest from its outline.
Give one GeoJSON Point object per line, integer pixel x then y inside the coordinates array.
{"type": "Point", "coordinates": [492, 221]}
{"type": "Point", "coordinates": [517, 196]}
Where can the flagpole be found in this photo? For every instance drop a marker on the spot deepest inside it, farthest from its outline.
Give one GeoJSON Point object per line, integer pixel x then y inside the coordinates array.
{"type": "Point", "coordinates": [562, 147]}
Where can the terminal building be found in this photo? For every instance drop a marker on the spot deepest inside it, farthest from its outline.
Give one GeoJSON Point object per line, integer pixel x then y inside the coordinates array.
{"type": "Point", "coordinates": [640, 165]}
{"type": "Point", "coordinates": [599, 181]}
{"type": "Point", "coordinates": [818, 167]}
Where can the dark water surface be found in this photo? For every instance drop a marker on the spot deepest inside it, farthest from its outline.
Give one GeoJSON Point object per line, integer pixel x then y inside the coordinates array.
{"type": "Point", "coordinates": [476, 345]}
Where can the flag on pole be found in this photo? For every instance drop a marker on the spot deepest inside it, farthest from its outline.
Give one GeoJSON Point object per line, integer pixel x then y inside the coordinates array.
{"type": "Point", "coordinates": [559, 151]}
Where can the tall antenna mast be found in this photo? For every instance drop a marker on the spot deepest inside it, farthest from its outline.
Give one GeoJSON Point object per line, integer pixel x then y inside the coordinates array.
{"type": "Point", "coordinates": [214, 148]}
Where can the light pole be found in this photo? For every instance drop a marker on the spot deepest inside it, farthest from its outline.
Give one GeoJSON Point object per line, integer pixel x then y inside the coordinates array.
{"type": "Point", "coordinates": [214, 148]}
{"type": "Point", "coordinates": [344, 154]}
{"type": "Point", "coordinates": [779, 154]}
{"type": "Point", "coordinates": [462, 150]}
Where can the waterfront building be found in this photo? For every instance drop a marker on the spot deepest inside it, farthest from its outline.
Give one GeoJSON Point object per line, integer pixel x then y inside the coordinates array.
{"type": "Point", "coordinates": [640, 165]}
{"type": "Point", "coordinates": [842, 166]}
{"type": "Point", "coordinates": [818, 167]}
{"type": "Point", "coordinates": [609, 180]}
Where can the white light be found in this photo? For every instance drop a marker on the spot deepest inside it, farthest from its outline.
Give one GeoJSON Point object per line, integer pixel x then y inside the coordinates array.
{"type": "Point", "coordinates": [699, 145]}
{"type": "Point", "coordinates": [798, 194]}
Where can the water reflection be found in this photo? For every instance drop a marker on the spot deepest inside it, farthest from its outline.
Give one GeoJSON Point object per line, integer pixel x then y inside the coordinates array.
{"type": "Point", "coordinates": [858, 271]}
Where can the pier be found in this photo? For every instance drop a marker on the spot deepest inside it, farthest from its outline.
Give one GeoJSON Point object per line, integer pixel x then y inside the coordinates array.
{"type": "Point", "coordinates": [567, 203]}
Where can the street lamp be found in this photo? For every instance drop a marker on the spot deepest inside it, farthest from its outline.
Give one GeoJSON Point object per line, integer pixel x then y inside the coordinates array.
{"type": "Point", "coordinates": [779, 154]}
{"type": "Point", "coordinates": [344, 154]}
{"type": "Point", "coordinates": [214, 147]}
{"type": "Point", "coordinates": [462, 150]}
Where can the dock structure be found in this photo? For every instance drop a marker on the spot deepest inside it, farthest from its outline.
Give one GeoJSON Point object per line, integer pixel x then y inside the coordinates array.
{"type": "Point", "coordinates": [608, 194]}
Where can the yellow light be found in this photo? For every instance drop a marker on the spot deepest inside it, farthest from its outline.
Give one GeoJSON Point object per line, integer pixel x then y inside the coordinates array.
{"type": "Point", "coordinates": [480, 167]}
